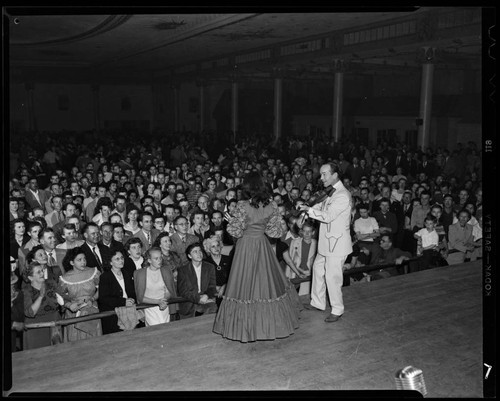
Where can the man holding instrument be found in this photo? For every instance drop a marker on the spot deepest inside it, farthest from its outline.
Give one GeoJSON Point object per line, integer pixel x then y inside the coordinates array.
{"type": "Point", "coordinates": [334, 243]}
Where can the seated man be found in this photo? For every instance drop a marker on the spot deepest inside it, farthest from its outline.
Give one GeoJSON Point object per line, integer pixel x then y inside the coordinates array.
{"type": "Point", "coordinates": [366, 229]}
{"type": "Point", "coordinates": [384, 254]}
{"type": "Point", "coordinates": [460, 239]}
{"type": "Point", "coordinates": [196, 282]}
{"type": "Point", "coordinates": [302, 252]}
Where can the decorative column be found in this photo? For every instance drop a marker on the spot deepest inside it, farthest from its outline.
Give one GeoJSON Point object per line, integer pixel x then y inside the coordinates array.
{"type": "Point", "coordinates": [175, 93]}
{"type": "Point", "coordinates": [201, 87]}
{"type": "Point", "coordinates": [278, 104]}
{"type": "Point", "coordinates": [96, 108]}
{"type": "Point", "coordinates": [426, 56]}
{"type": "Point", "coordinates": [339, 67]}
{"type": "Point", "coordinates": [234, 105]}
{"type": "Point", "coordinates": [30, 89]}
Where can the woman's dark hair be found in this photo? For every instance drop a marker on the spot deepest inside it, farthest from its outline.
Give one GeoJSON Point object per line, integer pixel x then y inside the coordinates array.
{"type": "Point", "coordinates": [114, 251]}
{"type": "Point", "coordinates": [132, 241]}
{"type": "Point", "coordinates": [254, 189]}
{"type": "Point", "coordinates": [71, 254]}
{"type": "Point", "coordinates": [30, 257]}
{"type": "Point", "coordinates": [159, 238]}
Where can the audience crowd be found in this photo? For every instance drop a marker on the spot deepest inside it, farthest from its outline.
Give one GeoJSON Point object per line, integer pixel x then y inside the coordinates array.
{"type": "Point", "coordinates": [106, 222]}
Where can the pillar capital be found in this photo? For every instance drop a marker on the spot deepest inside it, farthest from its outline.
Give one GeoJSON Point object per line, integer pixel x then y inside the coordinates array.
{"type": "Point", "coordinates": [279, 72]}
{"type": "Point", "coordinates": [426, 55]}
{"type": "Point", "coordinates": [235, 75]}
{"type": "Point", "coordinates": [340, 65]}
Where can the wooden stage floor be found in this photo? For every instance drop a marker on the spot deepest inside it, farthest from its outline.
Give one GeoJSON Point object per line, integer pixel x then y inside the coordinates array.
{"type": "Point", "coordinates": [431, 320]}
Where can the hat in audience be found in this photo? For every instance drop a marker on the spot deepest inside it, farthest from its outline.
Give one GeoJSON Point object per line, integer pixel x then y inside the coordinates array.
{"type": "Point", "coordinates": [301, 161]}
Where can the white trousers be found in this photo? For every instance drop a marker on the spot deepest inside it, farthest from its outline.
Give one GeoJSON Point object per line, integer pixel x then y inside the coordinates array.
{"type": "Point", "coordinates": [327, 274]}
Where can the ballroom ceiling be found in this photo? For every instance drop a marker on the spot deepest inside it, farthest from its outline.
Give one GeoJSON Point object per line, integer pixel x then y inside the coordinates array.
{"type": "Point", "coordinates": [154, 46]}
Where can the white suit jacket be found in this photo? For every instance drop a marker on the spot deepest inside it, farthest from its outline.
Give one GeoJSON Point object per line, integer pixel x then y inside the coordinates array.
{"type": "Point", "coordinates": [335, 213]}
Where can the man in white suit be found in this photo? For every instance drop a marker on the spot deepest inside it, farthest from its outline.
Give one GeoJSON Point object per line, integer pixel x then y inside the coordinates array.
{"type": "Point", "coordinates": [334, 243]}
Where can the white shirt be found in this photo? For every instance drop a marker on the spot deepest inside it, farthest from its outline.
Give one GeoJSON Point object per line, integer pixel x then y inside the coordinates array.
{"type": "Point", "coordinates": [366, 226]}
{"type": "Point", "coordinates": [121, 281]}
{"type": "Point", "coordinates": [53, 252]}
{"type": "Point", "coordinates": [36, 195]}
{"type": "Point", "coordinates": [138, 263]}
{"type": "Point", "coordinates": [197, 270]}
{"type": "Point", "coordinates": [428, 238]}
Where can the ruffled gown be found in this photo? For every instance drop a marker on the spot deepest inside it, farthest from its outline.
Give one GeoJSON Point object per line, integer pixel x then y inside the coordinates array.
{"type": "Point", "coordinates": [259, 303]}
{"type": "Point", "coordinates": [76, 291]}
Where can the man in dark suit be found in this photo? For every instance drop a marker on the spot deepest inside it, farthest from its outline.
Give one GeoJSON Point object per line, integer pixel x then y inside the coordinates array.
{"type": "Point", "coordinates": [48, 243]}
{"type": "Point", "coordinates": [386, 219]}
{"type": "Point", "coordinates": [147, 234]}
{"type": "Point", "coordinates": [97, 255]}
{"type": "Point", "coordinates": [68, 210]}
{"type": "Point", "coordinates": [35, 197]}
{"type": "Point", "coordinates": [355, 172]}
{"type": "Point", "coordinates": [410, 165]}
{"type": "Point", "coordinates": [427, 167]}
{"type": "Point", "coordinates": [407, 236]}
{"type": "Point", "coordinates": [181, 239]}
{"type": "Point", "coordinates": [157, 205]}
{"type": "Point", "coordinates": [398, 161]}
{"type": "Point", "coordinates": [196, 283]}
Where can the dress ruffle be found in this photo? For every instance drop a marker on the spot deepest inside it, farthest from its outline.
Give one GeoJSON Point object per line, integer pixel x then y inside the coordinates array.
{"type": "Point", "coordinates": [253, 320]}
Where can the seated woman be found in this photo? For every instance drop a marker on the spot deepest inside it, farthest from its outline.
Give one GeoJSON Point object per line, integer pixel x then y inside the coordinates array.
{"type": "Point", "coordinates": [40, 305]}
{"type": "Point", "coordinates": [116, 288]}
{"type": "Point", "coordinates": [16, 313]}
{"type": "Point", "coordinates": [222, 263]}
{"type": "Point", "coordinates": [34, 228]}
{"type": "Point", "coordinates": [198, 226]}
{"type": "Point", "coordinates": [79, 290]}
{"type": "Point", "coordinates": [38, 254]}
{"type": "Point", "coordinates": [154, 284]}
{"type": "Point", "coordinates": [170, 258]}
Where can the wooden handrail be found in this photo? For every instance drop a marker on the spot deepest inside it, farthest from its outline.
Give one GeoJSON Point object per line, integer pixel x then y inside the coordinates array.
{"type": "Point", "coordinates": [176, 300]}
{"type": "Point", "coordinates": [361, 269]}
{"type": "Point", "coordinates": [73, 320]}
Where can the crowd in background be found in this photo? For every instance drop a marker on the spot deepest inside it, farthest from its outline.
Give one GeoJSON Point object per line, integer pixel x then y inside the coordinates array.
{"type": "Point", "coordinates": [105, 222]}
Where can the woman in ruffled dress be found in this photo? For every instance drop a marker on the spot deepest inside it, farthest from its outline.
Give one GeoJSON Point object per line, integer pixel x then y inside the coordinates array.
{"type": "Point", "coordinates": [79, 289]}
{"type": "Point", "coordinates": [259, 303]}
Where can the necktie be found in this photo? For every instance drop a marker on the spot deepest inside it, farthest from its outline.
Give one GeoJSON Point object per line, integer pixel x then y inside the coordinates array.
{"type": "Point", "coordinates": [60, 216]}
{"type": "Point", "coordinates": [148, 236]}
{"type": "Point", "coordinates": [97, 258]}
{"type": "Point", "coordinates": [52, 261]}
